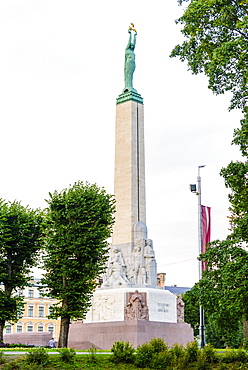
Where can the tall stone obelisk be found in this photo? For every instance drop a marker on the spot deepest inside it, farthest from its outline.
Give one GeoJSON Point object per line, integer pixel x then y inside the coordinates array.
{"type": "Point", "coordinates": [129, 186]}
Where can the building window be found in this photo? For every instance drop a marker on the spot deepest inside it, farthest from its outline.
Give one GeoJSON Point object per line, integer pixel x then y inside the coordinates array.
{"type": "Point", "coordinates": [50, 309]}
{"type": "Point", "coordinates": [30, 293]}
{"type": "Point", "coordinates": [30, 328]}
{"type": "Point", "coordinates": [51, 329]}
{"type": "Point", "coordinates": [19, 328]}
{"type": "Point", "coordinates": [30, 311]}
{"type": "Point", "coordinates": [40, 327]}
{"type": "Point", "coordinates": [41, 311]}
{"type": "Point", "coordinates": [8, 329]}
{"type": "Point", "coordinates": [20, 292]}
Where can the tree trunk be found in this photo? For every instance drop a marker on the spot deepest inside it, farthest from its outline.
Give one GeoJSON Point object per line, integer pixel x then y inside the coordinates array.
{"type": "Point", "coordinates": [245, 329]}
{"type": "Point", "coordinates": [64, 331]}
{"type": "Point", "coordinates": [2, 324]}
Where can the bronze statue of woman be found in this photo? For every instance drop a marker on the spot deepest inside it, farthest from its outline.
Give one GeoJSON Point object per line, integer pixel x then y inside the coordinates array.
{"type": "Point", "coordinates": [130, 61]}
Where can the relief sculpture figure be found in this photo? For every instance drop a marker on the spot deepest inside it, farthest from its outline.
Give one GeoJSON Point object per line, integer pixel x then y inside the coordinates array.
{"type": "Point", "coordinates": [144, 312]}
{"type": "Point", "coordinates": [136, 309]}
{"type": "Point", "coordinates": [136, 300]}
{"type": "Point", "coordinates": [138, 265]}
{"type": "Point", "coordinates": [116, 269]}
{"type": "Point", "coordinates": [150, 263]}
{"type": "Point", "coordinates": [129, 312]}
{"type": "Point", "coordinates": [180, 309]}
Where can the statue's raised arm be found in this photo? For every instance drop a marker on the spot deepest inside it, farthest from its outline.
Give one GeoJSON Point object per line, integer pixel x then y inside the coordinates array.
{"type": "Point", "coordinates": [129, 67]}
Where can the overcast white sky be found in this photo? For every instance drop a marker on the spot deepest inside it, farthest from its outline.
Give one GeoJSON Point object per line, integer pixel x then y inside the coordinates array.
{"type": "Point", "coordinates": [61, 70]}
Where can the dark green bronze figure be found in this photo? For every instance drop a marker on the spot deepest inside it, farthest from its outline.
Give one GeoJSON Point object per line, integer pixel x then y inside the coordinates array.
{"type": "Point", "coordinates": [130, 60]}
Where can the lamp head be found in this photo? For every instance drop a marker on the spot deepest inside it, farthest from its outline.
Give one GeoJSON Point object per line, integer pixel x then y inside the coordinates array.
{"type": "Point", "coordinates": [192, 188]}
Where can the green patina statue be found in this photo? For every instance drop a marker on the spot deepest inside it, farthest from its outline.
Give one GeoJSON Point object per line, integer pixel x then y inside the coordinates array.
{"type": "Point", "coordinates": [130, 60]}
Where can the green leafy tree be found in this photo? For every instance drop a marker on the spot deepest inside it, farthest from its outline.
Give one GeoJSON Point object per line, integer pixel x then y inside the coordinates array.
{"type": "Point", "coordinates": [216, 43]}
{"type": "Point", "coordinates": [79, 221]}
{"type": "Point", "coordinates": [21, 240]}
{"type": "Point", "coordinates": [223, 288]}
{"type": "Point", "coordinates": [236, 179]}
{"type": "Point", "coordinates": [191, 315]}
{"type": "Point", "coordinates": [191, 309]}
{"type": "Point", "coordinates": [224, 283]}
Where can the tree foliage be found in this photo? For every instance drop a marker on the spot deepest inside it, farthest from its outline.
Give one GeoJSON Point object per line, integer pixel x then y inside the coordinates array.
{"type": "Point", "coordinates": [223, 287]}
{"type": "Point", "coordinates": [224, 284]}
{"type": "Point", "coordinates": [216, 43]}
{"type": "Point", "coordinates": [236, 179]}
{"type": "Point", "coordinates": [21, 239]}
{"type": "Point", "coordinates": [191, 309]}
{"type": "Point", "coordinates": [216, 33]}
{"type": "Point", "coordinates": [79, 221]}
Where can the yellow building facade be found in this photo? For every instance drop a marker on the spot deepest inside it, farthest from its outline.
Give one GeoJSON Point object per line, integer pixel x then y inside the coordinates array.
{"type": "Point", "coordinates": [36, 309]}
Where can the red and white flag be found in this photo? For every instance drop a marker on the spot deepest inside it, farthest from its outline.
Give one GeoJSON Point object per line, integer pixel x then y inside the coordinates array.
{"type": "Point", "coordinates": [206, 229]}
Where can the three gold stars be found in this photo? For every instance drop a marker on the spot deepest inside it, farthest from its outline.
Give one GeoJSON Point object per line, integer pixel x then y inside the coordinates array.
{"type": "Point", "coordinates": [132, 27]}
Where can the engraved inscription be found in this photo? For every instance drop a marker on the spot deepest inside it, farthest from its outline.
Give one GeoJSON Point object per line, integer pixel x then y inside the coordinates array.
{"type": "Point", "coordinates": [163, 307]}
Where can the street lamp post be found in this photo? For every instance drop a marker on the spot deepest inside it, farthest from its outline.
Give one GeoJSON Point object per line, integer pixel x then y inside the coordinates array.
{"type": "Point", "coordinates": [198, 192]}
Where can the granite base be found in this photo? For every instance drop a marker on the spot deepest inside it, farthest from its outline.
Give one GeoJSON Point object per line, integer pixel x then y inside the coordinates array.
{"type": "Point", "coordinates": [136, 332]}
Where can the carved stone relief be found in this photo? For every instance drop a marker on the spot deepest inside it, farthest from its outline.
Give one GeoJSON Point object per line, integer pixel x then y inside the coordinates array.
{"type": "Point", "coordinates": [103, 308]}
{"type": "Point", "coordinates": [180, 309]}
{"type": "Point", "coordinates": [116, 270]}
{"type": "Point", "coordinates": [136, 307]}
{"type": "Point", "coordinates": [150, 263]}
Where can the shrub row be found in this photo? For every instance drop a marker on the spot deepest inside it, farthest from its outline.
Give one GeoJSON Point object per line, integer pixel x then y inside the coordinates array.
{"type": "Point", "coordinates": [156, 354]}
{"type": "Point", "coordinates": [16, 345]}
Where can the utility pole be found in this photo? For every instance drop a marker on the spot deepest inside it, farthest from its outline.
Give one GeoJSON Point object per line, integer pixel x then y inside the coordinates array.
{"type": "Point", "coordinates": [197, 191]}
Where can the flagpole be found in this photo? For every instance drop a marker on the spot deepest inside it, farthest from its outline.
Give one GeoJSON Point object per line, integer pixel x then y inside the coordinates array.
{"type": "Point", "coordinates": [202, 323]}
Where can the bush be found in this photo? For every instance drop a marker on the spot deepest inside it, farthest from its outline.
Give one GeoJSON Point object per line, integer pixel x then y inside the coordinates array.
{"type": "Point", "coordinates": [92, 354]}
{"type": "Point", "coordinates": [177, 350]}
{"type": "Point", "coordinates": [13, 365]}
{"type": "Point", "coordinates": [209, 354]}
{"type": "Point", "coordinates": [236, 355]}
{"type": "Point", "coordinates": [144, 355]}
{"type": "Point", "coordinates": [37, 356]}
{"type": "Point", "coordinates": [158, 345]}
{"type": "Point", "coordinates": [162, 360]}
{"type": "Point", "coordinates": [67, 354]}
{"type": "Point", "coordinates": [122, 352]}
{"type": "Point", "coordinates": [191, 352]}
{"type": "Point", "coordinates": [177, 355]}
{"type": "Point", "coordinates": [2, 359]}
{"type": "Point", "coordinates": [202, 363]}
{"type": "Point", "coordinates": [245, 344]}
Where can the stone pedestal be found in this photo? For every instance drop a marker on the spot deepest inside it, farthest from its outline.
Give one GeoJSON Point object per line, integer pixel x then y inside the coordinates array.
{"type": "Point", "coordinates": [108, 320]}
{"type": "Point", "coordinates": [104, 334]}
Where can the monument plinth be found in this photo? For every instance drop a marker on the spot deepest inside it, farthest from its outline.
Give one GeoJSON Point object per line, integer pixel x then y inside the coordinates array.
{"type": "Point", "coordinates": [129, 294]}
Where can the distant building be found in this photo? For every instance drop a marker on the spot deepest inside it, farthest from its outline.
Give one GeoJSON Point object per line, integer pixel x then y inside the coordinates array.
{"type": "Point", "coordinates": [161, 276]}
{"type": "Point", "coordinates": [36, 310]}
{"type": "Point", "coordinates": [177, 289]}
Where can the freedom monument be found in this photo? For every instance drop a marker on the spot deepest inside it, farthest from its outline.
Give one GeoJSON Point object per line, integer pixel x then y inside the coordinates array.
{"type": "Point", "coordinates": [129, 306]}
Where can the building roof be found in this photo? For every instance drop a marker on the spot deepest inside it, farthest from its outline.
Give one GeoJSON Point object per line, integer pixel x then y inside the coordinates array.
{"type": "Point", "coordinates": [176, 289]}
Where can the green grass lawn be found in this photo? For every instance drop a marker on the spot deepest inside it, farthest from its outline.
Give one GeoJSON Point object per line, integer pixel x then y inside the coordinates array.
{"type": "Point", "coordinates": [17, 362]}
{"type": "Point", "coordinates": [91, 361]}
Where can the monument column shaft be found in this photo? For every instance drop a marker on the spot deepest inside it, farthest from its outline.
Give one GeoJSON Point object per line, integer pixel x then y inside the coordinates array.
{"type": "Point", "coordinates": [129, 186]}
